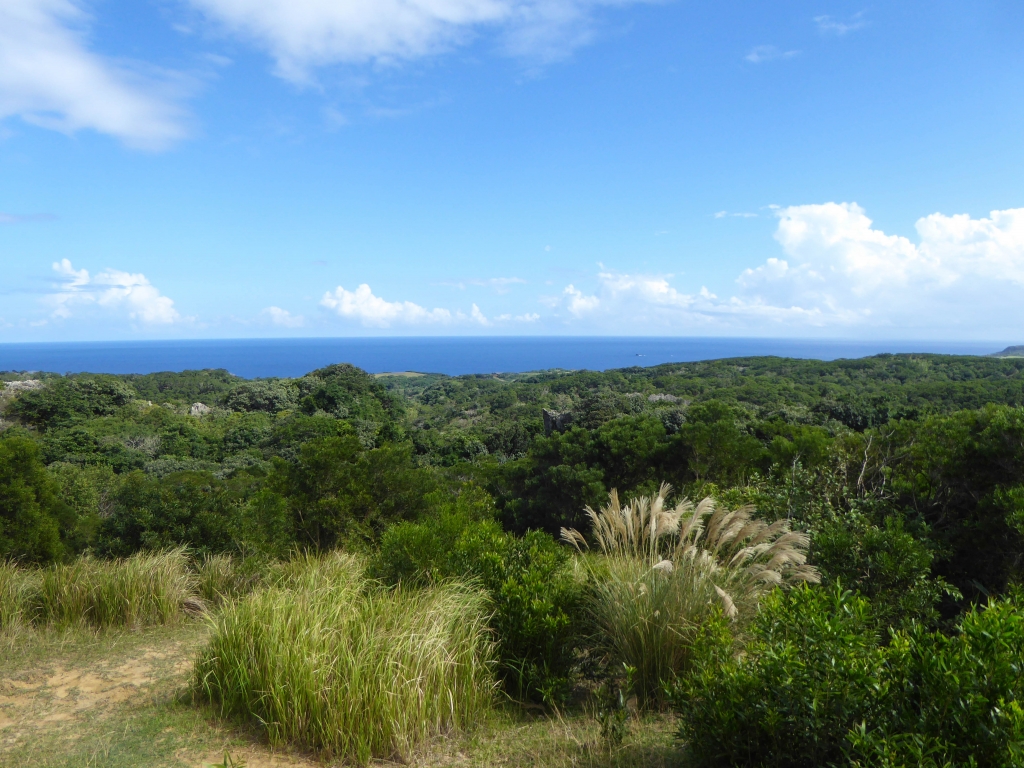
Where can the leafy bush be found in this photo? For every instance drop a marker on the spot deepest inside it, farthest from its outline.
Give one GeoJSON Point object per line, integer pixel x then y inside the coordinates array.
{"type": "Point", "coordinates": [816, 686]}
{"type": "Point", "coordinates": [536, 598]}
{"type": "Point", "coordinates": [664, 574]}
{"type": "Point", "coordinates": [328, 661]}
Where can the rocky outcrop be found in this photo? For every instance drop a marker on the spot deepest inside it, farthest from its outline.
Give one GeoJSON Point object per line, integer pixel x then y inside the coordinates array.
{"type": "Point", "coordinates": [198, 409]}
{"type": "Point", "coordinates": [555, 421]}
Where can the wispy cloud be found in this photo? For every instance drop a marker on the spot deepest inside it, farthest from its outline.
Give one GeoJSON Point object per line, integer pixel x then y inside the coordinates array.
{"type": "Point", "coordinates": [302, 35]}
{"type": "Point", "coordinates": [763, 53]}
{"type": "Point", "coordinates": [829, 25]}
{"type": "Point", "coordinates": [739, 215]}
{"type": "Point", "coordinates": [50, 78]}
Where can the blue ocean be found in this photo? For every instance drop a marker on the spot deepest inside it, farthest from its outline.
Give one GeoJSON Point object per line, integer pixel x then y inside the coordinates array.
{"type": "Point", "coordinates": [252, 358]}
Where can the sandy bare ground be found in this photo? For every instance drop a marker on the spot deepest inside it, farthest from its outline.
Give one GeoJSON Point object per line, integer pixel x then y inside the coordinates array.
{"type": "Point", "coordinates": [64, 697]}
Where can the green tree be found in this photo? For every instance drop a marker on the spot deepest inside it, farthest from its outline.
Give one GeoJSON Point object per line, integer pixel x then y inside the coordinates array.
{"type": "Point", "coordinates": [32, 514]}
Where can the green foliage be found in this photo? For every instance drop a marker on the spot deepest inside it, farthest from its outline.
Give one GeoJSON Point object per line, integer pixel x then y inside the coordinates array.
{"type": "Point", "coordinates": [715, 444]}
{"type": "Point", "coordinates": [337, 491]}
{"type": "Point", "coordinates": [267, 396]}
{"type": "Point", "coordinates": [64, 401]}
{"type": "Point", "coordinates": [886, 564]}
{"type": "Point", "coordinates": [806, 681]}
{"type": "Point", "coordinates": [194, 509]}
{"type": "Point", "coordinates": [816, 686]}
{"type": "Point", "coordinates": [33, 516]}
{"type": "Point", "coordinates": [207, 386]}
{"type": "Point", "coordinates": [330, 662]}
{"type": "Point", "coordinates": [961, 474]}
{"type": "Point", "coordinates": [537, 599]}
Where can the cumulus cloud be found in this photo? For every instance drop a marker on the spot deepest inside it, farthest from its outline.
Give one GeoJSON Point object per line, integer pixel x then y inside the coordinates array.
{"type": "Point", "coordinates": [840, 267]}
{"type": "Point", "coordinates": [578, 303]}
{"type": "Point", "coordinates": [284, 318]}
{"type": "Point", "coordinates": [49, 78]}
{"type": "Point", "coordinates": [113, 290]}
{"type": "Point", "coordinates": [370, 310]}
{"type": "Point", "coordinates": [960, 276]}
{"type": "Point", "coordinates": [304, 34]}
{"type": "Point", "coordinates": [763, 53]}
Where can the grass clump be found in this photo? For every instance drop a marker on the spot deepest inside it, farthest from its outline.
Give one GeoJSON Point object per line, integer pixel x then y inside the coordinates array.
{"type": "Point", "coordinates": [667, 575]}
{"type": "Point", "coordinates": [221, 578]}
{"type": "Point", "coordinates": [327, 660]}
{"type": "Point", "coordinates": [145, 589]}
{"type": "Point", "coordinates": [19, 590]}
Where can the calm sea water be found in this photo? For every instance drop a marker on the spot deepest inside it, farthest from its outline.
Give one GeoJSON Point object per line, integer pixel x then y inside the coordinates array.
{"type": "Point", "coordinates": [452, 355]}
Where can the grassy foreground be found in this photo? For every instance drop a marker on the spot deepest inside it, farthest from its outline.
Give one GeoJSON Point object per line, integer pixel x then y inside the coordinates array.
{"type": "Point", "coordinates": [121, 699]}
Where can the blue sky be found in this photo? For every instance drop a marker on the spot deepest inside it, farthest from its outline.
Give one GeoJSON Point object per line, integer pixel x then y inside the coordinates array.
{"type": "Point", "coordinates": [247, 168]}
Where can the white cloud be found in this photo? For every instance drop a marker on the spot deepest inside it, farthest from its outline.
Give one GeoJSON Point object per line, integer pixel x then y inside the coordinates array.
{"type": "Point", "coordinates": [113, 290]}
{"type": "Point", "coordinates": [763, 53]}
{"type": "Point", "coordinates": [478, 316]}
{"type": "Point", "coordinates": [578, 303]}
{"type": "Point", "coordinates": [304, 34]}
{"type": "Point", "coordinates": [49, 78]}
{"type": "Point", "coordinates": [828, 25]}
{"type": "Point", "coordinates": [370, 310]}
{"type": "Point", "coordinates": [284, 318]}
{"type": "Point", "coordinates": [963, 272]}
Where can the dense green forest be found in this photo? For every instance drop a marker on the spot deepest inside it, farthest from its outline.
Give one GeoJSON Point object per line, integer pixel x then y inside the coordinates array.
{"type": "Point", "coordinates": [906, 472]}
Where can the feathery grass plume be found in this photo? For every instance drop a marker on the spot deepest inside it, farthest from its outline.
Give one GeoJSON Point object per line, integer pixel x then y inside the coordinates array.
{"type": "Point", "coordinates": [329, 661]}
{"type": "Point", "coordinates": [667, 572]}
{"type": "Point", "coordinates": [147, 588]}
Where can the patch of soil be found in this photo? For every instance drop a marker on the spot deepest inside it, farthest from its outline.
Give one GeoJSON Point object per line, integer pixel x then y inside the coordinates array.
{"type": "Point", "coordinates": [49, 698]}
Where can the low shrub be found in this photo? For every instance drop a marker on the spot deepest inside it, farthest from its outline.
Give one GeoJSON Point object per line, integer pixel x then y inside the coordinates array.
{"type": "Point", "coordinates": [329, 661]}
{"type": "Point", "coordinates": [535, 594]}
{"type": "Point", "coordinates": [817, 686]}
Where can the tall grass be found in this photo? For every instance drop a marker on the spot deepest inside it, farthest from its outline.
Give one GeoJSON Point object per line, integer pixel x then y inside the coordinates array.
{"type": "Point", "coordinates": [329, 661]}
{"type": "Point", "coordinates": [664, 575]}
{"type": "Point", "coordinates": [19, 593]}
{"type": "Point", "coordinates": [140, 590]}
{"type": "Point", "coordinates": [221, 578]}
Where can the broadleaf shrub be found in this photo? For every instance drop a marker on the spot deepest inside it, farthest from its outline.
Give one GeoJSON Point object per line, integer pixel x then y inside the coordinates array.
{"type": "Point", "coordinates": [536, 598]}
{"type": "Point", "coordinates": [817, 686]}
